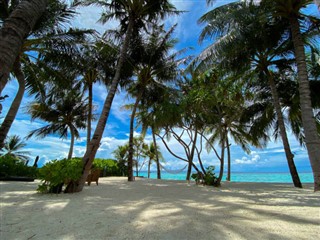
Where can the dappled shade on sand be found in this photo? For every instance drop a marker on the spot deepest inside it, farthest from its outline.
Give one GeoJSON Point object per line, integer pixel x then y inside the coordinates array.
{"type": "Point", "coordinates": [159, 209]}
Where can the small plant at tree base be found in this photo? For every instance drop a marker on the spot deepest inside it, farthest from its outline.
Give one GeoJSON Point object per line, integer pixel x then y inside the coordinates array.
{"type": "Point", "coordinates": [210, 178]}
{"type": "Point", "coordinates": [57, 173]}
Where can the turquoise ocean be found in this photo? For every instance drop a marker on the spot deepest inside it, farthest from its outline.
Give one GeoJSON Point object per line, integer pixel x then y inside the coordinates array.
{"type": "Point", "coordinates": [240, 177]}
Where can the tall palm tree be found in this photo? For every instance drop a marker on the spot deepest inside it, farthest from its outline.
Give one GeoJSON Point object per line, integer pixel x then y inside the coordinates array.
{"type": "Point", "coordinates": [260, 50]}
{"type": "Point", "coordinates": [220, 99]}
{"type": "Point", "coordinates": [133, 15]}
{"type": "Point", "coordinates": [13, 146]}
{"type": "Point", "coordinates": [15, 28]}
{"type": "Point", "coordinates": [156, 68]}
{"type": "Point", "coordinates": [46, 36]}
{"type": "Point", "coordinates": [291, 11]}
{"type": "Point", "coordinates": [65, 112]}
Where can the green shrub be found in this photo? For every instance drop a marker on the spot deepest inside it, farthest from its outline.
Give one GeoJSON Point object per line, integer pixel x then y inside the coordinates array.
{"type": "Point", "coordinates": [209, 178]}
{"type": "Point", "coordinates": [111, 167]}
{"type": "Point", "coordinates": [56, 173]}
{"type": "Point", "coordinates": [11, 166]}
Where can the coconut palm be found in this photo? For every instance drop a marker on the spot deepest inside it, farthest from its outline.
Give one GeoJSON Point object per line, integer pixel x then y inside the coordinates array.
{"type": "Point", "coordinates": [154, 155]}
{"type": "Point", "coordinates": [13, 146]}
{"type": "Point", "coordinates": [156, 68]}
{"type": "Point", "coordinates": [133, 15]}
{"type": "Point", "coordinates": [261, 50]}
{"type": "Point", "coordinates": [15, 28]}
{"type": "Point", "coordinates": [291, 11]}
{"type": "Point", "coordinates": [46, 36]}
{"type": "Point", "coordinates": [65, 112]}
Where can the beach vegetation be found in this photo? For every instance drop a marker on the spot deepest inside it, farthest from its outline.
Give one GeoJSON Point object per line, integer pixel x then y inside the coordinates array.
{"type": "Point", "coordinates": [65, 110]}
{"type": "Point", "coordinates": [246, 87]}
{"type": "Point", "coordinates": [110, 167]}
{"type": "Point", "coordinates": [56, 173]}
{"type": "Point", "coordinates": [209, 178]}
{"type": "Point", "coordinates": [154, 155]}
{"type": "Point", "coordinates": [11, 166]}
{"type": "Point", "coordinates": [268, 53]}
{"type": "Point", "coordinates": [13, 147]}
{"type": "Point", "coordinates": [133, 16]}
{"type": "Point", "coordinates": [155, 68]}
{"type": "Point", "coordinates": [48, 36]}
{"type": "Point", "coordinates": [59, 175]}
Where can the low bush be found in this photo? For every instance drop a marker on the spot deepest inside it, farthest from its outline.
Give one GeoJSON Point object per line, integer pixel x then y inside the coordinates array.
{"type": "Point", "coordinates": [13, 167]}
{"type": "Point", "coordinates": [110, 167]}
{"type": "Point", "coordinates": [56, 173]}
{"type": "Point", "coordinates": [209, 178]}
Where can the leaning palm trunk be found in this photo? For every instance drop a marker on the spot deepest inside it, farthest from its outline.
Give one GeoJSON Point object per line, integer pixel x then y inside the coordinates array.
{"type": "Point", "coordinates": [156, 152]}
{"type": "Point", "coordinates": [190, 157]}
{"type": "Point", "coordinates": [95, 141]}
{"type": "Point", "coordinates": [72, 142]}
{"type": "Point", "coordinates": [89, 114]}
{"type": "Point", "coordinates": [13, 33]}
{"type": "Point", "coordinates": [283, 133]}
{"type": "Point", "coordinates": [221, 164]}
{"type": "Point", "coordinates": [149, 166]}
{"type": "Point", "coordinates": [229, 160]}
{"type": "Point", "coordinates": [130, 154]}
{"type": "Point", "coordinates": [11, 115]}
{"type": "Point", "coordinates": [308, 121]}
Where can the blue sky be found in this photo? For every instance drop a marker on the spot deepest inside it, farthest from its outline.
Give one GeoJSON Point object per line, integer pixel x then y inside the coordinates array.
{"type": "Point", "coordinates": [271, 159]}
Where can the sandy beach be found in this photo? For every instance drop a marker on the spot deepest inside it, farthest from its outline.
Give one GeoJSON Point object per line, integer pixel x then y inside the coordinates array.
{"type": "Point", "coordinates": [160, 209]}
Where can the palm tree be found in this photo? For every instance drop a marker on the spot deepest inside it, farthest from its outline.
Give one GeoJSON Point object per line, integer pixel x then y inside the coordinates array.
{"type": "Point", "coordinates": [67, 111]}
{"type": "Point", "coordinates": [133, 15]}
{"type": "Point", "coordinates": [13, 146]}
{"type": "Point", "coordinates": [121, 153]}
{"type": "Point", "coordinates": [43, 38]}
{"type": "Point", "coordinates": [15, 28]}
{"type": "Point", "coordinates": [154, 155]}
{"type": "Point", "coordinates": [155, 69]}
{"type": "Point", "coordinates": [261, 50]}
{"type": "Point", "coordinates": [291, 11]}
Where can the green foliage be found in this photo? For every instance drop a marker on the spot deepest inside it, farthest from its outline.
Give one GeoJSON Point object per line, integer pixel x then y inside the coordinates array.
{"type": "Point", "coordinates": [56, 173]}
{"type": "Point", "coordinates": [113, 167]}
{"type": "Point", "coordinates": [12, 166]}
{"type": "Point", "coordinates": [195, 176]}
{"type": "Point", "coordinates": [209, 178]}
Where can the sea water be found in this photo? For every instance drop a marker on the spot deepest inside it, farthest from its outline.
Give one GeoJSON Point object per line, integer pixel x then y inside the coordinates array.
{"type": "Point", "coordinates": [240, 177]}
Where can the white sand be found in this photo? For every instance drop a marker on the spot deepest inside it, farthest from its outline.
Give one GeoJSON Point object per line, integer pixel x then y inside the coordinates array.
{"type": "Point", "coordinates": [159, 209]}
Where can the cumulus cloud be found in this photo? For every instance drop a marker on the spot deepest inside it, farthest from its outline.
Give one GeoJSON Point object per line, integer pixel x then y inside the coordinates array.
{"type": "Point", "coordinates": [252, 159]}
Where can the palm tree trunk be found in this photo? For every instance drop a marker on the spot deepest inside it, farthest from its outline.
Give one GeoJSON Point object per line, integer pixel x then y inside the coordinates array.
{"type": "Point", "coordinates": [149, 164]}
{"type": "Point", "coordinates": [13, 33]}
{"type": "Point", "coordinates": [96, 138]}
{"type": "Point", "coordinates": [229, 160]}
{"type": "Point", "coordinates": [190, 158]}
{"type": "Point", "coordinates": [308, 120]}
{"type": "Point", "coordinates": [156, 152]}
{"type": "Point", "coordinates": [130, 154]}
{"type": "Point", "coordinates": [221, 164]}
{"type": "Point", "coordinates": [283, 133]}
{"type": "Point", "coordinates": [89, 114]}
{"type": "Point", "coordinates": [11, 115]}
{"type": "Point", "coordinates": [72, 142]}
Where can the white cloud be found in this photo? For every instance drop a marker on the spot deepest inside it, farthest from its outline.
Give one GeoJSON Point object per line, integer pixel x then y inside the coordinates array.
{"type": "Point", "coordinates": [245, 160]}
